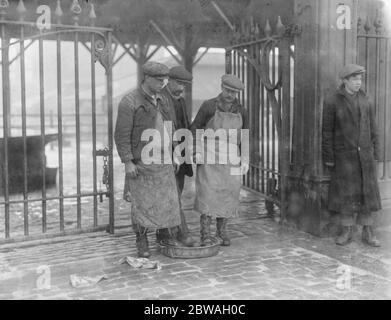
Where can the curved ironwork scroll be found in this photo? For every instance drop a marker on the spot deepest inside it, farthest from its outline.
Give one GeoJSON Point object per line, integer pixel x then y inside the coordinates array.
{"type": "Point", "coordinates": [101, 50]}
{"type": "Point", "coordinates": [262, 71]}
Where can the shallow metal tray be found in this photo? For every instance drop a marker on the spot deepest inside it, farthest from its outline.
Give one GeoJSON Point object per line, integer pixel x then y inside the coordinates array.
{"type": "Point", "coordinates": [189, 252]}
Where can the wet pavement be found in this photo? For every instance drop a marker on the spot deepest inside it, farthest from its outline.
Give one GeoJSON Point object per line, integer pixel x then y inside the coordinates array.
{"type": "Point", "coordinates": [265, 260]}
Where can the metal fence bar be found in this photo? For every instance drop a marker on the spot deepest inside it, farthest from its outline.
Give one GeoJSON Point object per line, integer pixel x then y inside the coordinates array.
{"type": "Point", "coordinates": [374, 36]}
{"type": "Point", "coordinates": [6, 88]}
{"type": "Point", "coordinates": [240, 76]}
{"type": "Point", "coordinates": [23, 105]}
{"type": "Point", "coordinates": [52, 235]}
{"type": "Point", "coordinates": [255, 89]}
{"type": "Point", "coordinates": [234, 62]}
{"type": "Point", "coordinates": [93, 108]}
{"type": "Point", "coordinates": [69, 196]}
{"type": "Point", "coordinates": [385, 118]}
{"type": "Point", "coordinates": [284, 147]}
{"type": "Point", "coordinates": [242, 96]}
{"type": "Point", "coordinates": [250, 102]}
{"type": "Point", "coordinates": [77, 118]}
{"type": "Point", "coordinates": [42, 118]}
{"type": "Point", "coordinates": [228, 61]}
{"type": "Point", "coordinates": [377, 75]}
{"type": "Point", "coordinates": [273, 123]}
{"type": "Point", "coordinates": [366, 60]}
{"type": "Point", "coordinates": [259, 121]}
{"type": "Point", "coordinates": [262, 133]}
{"type": "Point", "coordinates": [60, 135]}
{"type": "Point", "coordinates": [110, 134]}
{"type": "Point", "coordinates": [286, 89]}
{"type": "Point", "coordinates": [267, 129]}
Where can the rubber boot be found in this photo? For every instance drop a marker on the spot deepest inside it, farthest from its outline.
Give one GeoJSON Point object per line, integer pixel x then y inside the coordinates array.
{"type": "Point", "coordinates": [167, 236]}
{"type": "Point", "coordinates": [368, 237]}
{"type": "Point", "coordinates": [171, 240]}
{"type": "Point", "coordinates": [185, 238]}
{"type": "Point", "coordinates": [205, 221]}
{"type": "Point", "coordinates": [142, 241]}
{"type": "Point", "coordinates": [345, 237]}
{"type": "Point", "coordinates": [221, 231]}
{"type": "Point", "coordinates": [162, 235]}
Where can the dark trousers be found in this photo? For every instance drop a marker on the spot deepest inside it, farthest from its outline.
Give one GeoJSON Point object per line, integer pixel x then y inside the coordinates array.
{"type": "Point", "coordinates": [363, 219]}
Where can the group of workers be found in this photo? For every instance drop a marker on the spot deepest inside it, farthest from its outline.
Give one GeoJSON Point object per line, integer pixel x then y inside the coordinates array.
{"type": "Point", "coordinates": [154, 188]}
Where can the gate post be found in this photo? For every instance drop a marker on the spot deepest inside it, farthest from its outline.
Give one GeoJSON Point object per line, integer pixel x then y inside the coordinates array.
{"type": "Point", "coordinates": [327, 42]}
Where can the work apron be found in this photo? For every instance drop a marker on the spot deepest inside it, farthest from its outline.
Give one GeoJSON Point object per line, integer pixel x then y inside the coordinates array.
{"type": "Point", "coordinates": [153, 194]}
{"type": "Point", "coordinates": [217, 188]}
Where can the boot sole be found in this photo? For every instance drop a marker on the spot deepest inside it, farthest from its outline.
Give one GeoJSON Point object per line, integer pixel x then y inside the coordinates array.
{"type": "Point", "coordinates": [343, 243]}
{"type": "Point", "coordinates": [374, 245]}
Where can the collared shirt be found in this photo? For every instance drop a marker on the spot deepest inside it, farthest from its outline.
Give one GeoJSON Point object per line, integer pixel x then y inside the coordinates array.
{"type": "Point", "coordinates": [152, 98]}
{"type": "Point", "coordinates": [208, 109]}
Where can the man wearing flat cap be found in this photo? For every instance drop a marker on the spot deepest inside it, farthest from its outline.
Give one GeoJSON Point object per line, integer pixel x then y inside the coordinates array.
{"type": "Point", "coordinates": [217, 188]}
{"type": "Point", "coordinates": [350, 149]}
{"type": "Point", "coordinates": [176, 112]}
{"type": "Point", "coordinates": [150, 184]}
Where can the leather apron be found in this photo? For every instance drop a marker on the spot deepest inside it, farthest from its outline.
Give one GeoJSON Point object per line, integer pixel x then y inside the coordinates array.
{"type": "Point", "coordinates": [217, 188]}
{"type": "Point", "coordinates": [153, 194]}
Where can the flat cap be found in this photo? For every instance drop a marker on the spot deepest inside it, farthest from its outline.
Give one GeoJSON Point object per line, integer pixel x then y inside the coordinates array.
{"type": "Point", "coordinates": [155, 69]}
{"type": "Point", "coordinates": [232, 82]}
{"type": "Point", "coordinates": [179, 73]}
{"type": "Point", "coordinates": [351, 69]}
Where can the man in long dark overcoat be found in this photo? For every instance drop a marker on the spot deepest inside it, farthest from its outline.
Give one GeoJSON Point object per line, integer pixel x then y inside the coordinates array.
{"type": "Point", "coordinates": [350, 148]}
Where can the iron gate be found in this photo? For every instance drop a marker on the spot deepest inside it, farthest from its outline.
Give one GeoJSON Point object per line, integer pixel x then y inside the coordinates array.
{"type": "Point", "coordinates": [266, 67]}
{"type": "Point", "coordinates": [50, 121]}
{"type": "Point", "coordinates": [374, 53]}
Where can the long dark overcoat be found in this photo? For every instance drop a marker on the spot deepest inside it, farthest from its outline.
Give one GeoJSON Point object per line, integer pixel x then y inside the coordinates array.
{"type": "Point", "coordinates": [350, 141]}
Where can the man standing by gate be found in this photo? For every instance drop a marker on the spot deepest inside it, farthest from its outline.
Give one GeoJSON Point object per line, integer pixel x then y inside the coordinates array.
{"type": "Point", "coordinates": [350, 147]}
{"type": "Point", "coordinates": [217, 188]}
{"type": "Point", "coordinates": [150, 187]}
{"type": "Point", "coordinates": [177, 113]}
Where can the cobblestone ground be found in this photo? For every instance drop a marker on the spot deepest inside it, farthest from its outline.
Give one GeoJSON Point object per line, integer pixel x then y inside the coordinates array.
{"type": "Point", "coordinates": [265, 261]}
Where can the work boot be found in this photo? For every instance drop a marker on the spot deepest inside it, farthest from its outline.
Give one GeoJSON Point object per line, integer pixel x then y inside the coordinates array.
{"type": "Point", "coordinates": [345, 237]}
{"type": "Point", "coordinates": [162, 234]}
{"type": "Point", "coordinates": [167, 236]}
{"type": "Point", "coordinates": [221, 231]}
{"type": "Point", "coordinates": [368, 237]}
{"type": "Point", "coordinates": [142, 243]}
{"type": "Point", "coordinates": [206, 239]}
{"type": "Point", "coordinates": [185, 238]}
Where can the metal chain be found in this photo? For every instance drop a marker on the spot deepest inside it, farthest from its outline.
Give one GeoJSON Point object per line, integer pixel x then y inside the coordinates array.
{"type": "Point", "coordinates": [105, 178]}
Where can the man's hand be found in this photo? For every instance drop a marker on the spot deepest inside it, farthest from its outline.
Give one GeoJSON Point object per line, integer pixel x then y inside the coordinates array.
{"type": "Point", "coordinates": [131, 169]}
{"type": "Point", "coordinates": [176, 163]}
